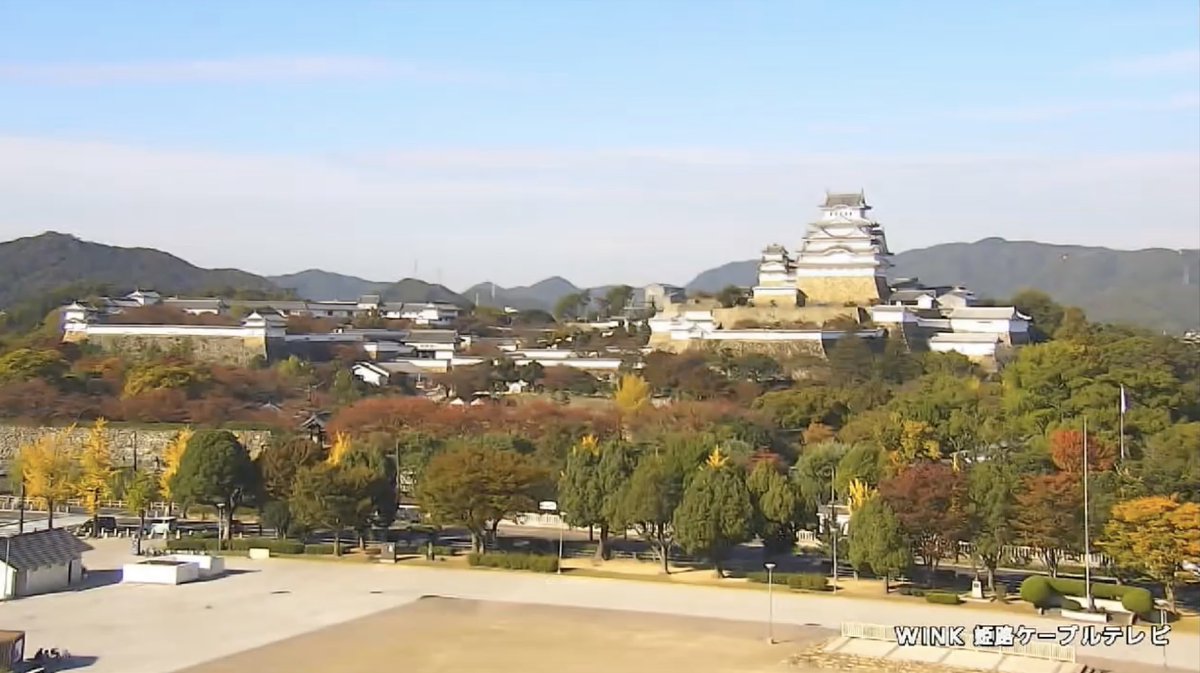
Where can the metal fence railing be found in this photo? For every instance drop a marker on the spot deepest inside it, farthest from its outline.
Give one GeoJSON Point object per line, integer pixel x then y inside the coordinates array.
{"type": "Point", "coordinates": [869, 631]}
{"type": "Point", "coordinates": [1035, 650]}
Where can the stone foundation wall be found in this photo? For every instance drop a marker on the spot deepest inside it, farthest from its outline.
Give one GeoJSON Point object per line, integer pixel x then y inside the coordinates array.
{"type": "Point", "coordinates": [149, 441]}
{"type": "Point", "coordinates": [861, 290]}
{"type": "Point", "coordinates": [767, 315]}
{"type": "Point", "coordinates": [782, 351]}
{"type": "Point", "coordinates": [236, 351]}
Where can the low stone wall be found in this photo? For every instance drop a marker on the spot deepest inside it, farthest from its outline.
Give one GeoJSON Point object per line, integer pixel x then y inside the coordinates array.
{"type": "Point", "coordinates": [149, 441]}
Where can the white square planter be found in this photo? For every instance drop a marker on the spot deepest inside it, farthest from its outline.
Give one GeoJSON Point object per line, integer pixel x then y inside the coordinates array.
{"type": "Point", "coordinates": [155, 571]}
{"type": "Point", "coordinates": [210, 566]}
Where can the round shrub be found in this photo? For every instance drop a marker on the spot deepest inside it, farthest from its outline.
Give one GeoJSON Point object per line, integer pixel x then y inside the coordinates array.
{"type": "Point", "coordinates": [1138, 601]}
{"type": "Point", "coordinates": [1036, 589]}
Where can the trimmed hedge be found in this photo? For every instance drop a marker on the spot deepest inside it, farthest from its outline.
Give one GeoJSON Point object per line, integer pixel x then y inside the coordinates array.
{"type": "Point", "coordinates": [761, 577]}
{"type": "Point", "coordinates": [808, 582]}
{"type": "Point", "coordinates": [911, 591]}
{"type": "Point", "coordinates": [1044, 592]}
{"type": "Point", "coordinates": [208, 544]}
{"type": "Point", "coordinates": [323, 549]}
{"type": "Point", "coordinates": [535, 562]}
{"type": "Point", "coordinates": [1070, 604]}
{"type": "Point", "coordinates": [942, 598]}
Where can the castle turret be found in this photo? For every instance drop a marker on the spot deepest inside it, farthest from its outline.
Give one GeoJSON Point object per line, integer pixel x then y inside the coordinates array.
{"type": "Point", "coordinates": [776, 278]}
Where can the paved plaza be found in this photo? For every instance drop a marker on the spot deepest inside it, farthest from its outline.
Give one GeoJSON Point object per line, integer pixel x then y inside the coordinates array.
{"type": "Point", "coordinates": [159, 629]}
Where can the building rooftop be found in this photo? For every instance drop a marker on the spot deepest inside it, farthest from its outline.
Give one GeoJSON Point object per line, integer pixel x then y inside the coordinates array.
{"type": "Point", "coordinates": [858, 200]}
{"type": "Point", "coordinates": [986, 313]}
{"type": "Point", "coordinates": [963, 338]}
{"type": "Point", "coordinates": [439, 336]}
{"type": "Point", "coordinates": [42, 548]}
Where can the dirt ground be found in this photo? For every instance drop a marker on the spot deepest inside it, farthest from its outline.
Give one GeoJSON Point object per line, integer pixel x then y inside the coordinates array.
{"type": "Point", "coordinates": [438, 635]}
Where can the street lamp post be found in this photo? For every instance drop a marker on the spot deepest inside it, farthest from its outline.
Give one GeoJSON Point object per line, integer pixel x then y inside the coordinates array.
{"type": "Point", "coordinates": [552, 506]}
{"type": "Point", "coordinates": [770, 603]}
{"type": "Point", "coordinates": [220, 524]}
{"type": "Point", "coordinates": [833, 522]}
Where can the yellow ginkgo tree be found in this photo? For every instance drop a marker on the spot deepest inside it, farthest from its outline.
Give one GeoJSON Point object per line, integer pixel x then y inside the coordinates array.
{"type": "Point", "coordinates": [632, 394]}
{"type": "Point", "coordinates": [858, 495]}
{"type": "Point", "coordinates": [96, 471]}
{"type": "Point", "coordinates": [341, 447]}
{"type": "Point", "coordinates": [49, 467]}
{"type": "Point", "coordinates": [171, 457]}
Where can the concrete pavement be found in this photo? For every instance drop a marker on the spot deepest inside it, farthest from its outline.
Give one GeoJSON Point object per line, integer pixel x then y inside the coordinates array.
{"type": "Point", "coordinates": [157, 629]}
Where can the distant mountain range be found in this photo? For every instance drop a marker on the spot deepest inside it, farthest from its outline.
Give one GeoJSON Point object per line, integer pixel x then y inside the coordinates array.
{"type": "Point", "coordinates": [1157, 288]}
{"type": "Point", "coordinates": [319, 285]}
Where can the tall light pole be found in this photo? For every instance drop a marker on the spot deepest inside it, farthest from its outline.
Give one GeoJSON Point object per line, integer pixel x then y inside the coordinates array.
{"type": "Point", "coordinates": [770, 603]}
{"type": "Point", "coordinates": [1087, 548]}
{"type": "Point", "coordinates": [833, 522]}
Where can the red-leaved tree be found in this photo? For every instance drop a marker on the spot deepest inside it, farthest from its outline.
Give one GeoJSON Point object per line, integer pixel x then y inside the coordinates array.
{"type": "Point", "coordinates": [928, 499]}
{"type": "Point", "coordinates": [1066, 450]}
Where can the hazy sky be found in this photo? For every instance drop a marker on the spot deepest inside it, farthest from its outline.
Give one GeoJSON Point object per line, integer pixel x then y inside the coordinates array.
{"type": "Point", "coordinates": [601, 141]}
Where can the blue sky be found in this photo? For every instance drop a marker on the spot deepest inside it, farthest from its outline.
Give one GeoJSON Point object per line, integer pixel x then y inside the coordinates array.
{"type": "Point", "coordinates": [601, 141]}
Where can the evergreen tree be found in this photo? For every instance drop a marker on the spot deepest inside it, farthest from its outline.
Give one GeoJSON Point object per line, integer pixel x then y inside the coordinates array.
{"type": "Point", "coordinates": [715, 513]}
{"type": "Point", "coordinates": [216, 470]}
{"type": "Point", "coordinates": [777, 510]}
{"type": "Point", "coordinates": [878, 542]}
{"type": "Point", "coordinates": [591, 483]}
{"type": "Point", "coordinates": [990, 511]}
{"type": "Point", "coordinates": [647, 503]}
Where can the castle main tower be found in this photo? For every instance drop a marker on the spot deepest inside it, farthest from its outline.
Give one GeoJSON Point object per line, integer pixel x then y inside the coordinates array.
{"type": "Point", "coordinates": [844, 256]}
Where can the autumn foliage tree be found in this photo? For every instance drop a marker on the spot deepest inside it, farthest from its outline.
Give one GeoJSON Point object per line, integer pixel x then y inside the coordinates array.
{"type": "Point", "coordinates": [1154, 535]}
{"type": "Point", "coordinates": [929, 501]}
{"type": "Point", "coordinates": [632, 394]}
{"type": "Point", "coordinates": [171, 456]}
{"type": "Point", "coordinates": [49, 467]}
{"type": "Point", "coordinates": [1066, 450]}
{"type": "Point", "coordinates": [281, 459]}
{"type": "Point", "coordinates": [474, 485]}
{"type": "Point", "coordinates": [332, 497]}
{"type": "Point", "coordinates": [96, 471]}
{"type": "Point", "coordinates": [1049, 510]}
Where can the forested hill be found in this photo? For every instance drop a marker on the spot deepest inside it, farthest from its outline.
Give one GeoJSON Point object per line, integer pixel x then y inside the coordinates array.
{"type": "Point", "coordinates": [1156, 288]}
{"type": "Point", "coordinates": [35, 265]}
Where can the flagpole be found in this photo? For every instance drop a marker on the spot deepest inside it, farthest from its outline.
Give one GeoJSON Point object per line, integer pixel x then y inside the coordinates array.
{"type": "Point", "coordinates": [1087, 548]}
